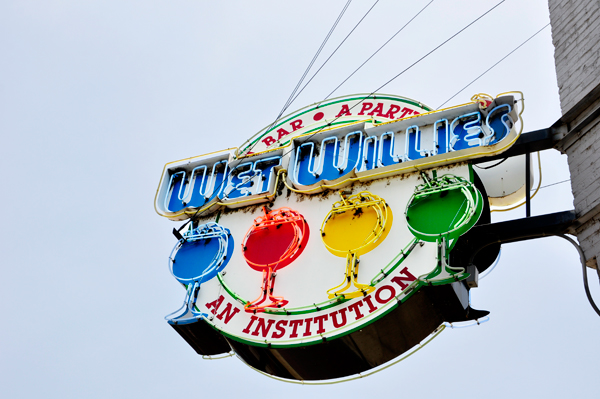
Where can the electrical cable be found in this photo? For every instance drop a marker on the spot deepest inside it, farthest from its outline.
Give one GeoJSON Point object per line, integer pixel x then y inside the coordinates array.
{"type": "Point", "coordinates": [334, 51]}
{"type": "Point", "coordinates": [379, 49]}
{"type": "Point", "coordinates": [585, 279]}
{"type": "Point", "coordinates": [380, 87]}
{"type": "Point", "coordinates": [288, 103]}
{"type": "Point", "coordinates": [406, 69]}
{"type": "Point", "coordinates": [553, 184]}
{"type": "Point", "coordinates": [290, 99]}
{"type": "Point", "coordinates": [440, 45]}
{"type": "Point", "coordinates": [490, 68]}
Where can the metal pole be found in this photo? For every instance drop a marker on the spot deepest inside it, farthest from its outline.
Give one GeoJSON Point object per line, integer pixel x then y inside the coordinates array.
{"type": "Point", "coordinates": [527, 185]}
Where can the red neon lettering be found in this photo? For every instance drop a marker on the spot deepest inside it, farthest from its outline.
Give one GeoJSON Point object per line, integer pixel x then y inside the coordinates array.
{"type": "Point", "coordinates": [392, 111]}
{"type": "Point", "coordinates": [307, 330]}
{"type": "Point", "coordinates": [247, 329]}
{"type": "Point", "coordinates": [333, 315]}
{"type": "Point", "coordinates": [282, 133]}
{"type": "Point", "coordinates": [264, 328]}
{"type": "Point", "coordinates": [294, 324]}
{"type": "Point", "coordinates": [280, 329]}
{"type": "Point", "coordinates": [369, 301]}
{"type": "Point", "coordinates": [405, 111]}
{"type": "Point", "coordinates": [320, 320]}
{"type": "Point", "coordinates": [378, 110]}
{"type": "Point", "coordinates": [215, 304]}
{"type": "Point", "coordinates": [228, 313]}
{"type": "Point", "coordinates": [399, 279]}
{"type": "Point", "coordinates": [297, 124]}
{"type": "Point", "coordinates": [354, 307]}
{"type": "Point", "coordinates": [365, 107]}
{"type": "Point", "coordinates": [268, 140]}
{"type": "Point", "coordinates": [345, 111]}
{"type": "Point", "coordinates": [389, 288]}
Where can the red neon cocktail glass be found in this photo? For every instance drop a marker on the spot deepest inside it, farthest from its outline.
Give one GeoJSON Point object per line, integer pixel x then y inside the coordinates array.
{"type": "Point", "coordinates": [274, 241]}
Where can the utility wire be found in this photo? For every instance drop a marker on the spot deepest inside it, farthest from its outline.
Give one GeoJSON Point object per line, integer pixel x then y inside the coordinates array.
{"type": "Point", "coordinates": [295, 95]}
{"type": "Point", "coordinates": [291, 97]}
{"type": "Point", "coordinates": [373, 92]}
{"type": "Point", "coordinates": [334, 51]}
{"type": "Point", "coordinates": [289, 100]}
{"type": "Point", "coordinates": [440, 45]}
{"type": "Point", "coordinates": [490, 68]}
{"type": "Point", "coordinates": [406, 69]}
{"type": "Point", "coordinates": [379, 49]}
{"type": "Point", "coordinates": [553, 184]}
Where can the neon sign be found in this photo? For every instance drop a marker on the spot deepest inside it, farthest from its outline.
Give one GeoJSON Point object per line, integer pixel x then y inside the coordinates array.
{"type": "Point", "coordinates": [274, 241]}
{"type": "Point", "coordinates": [392, 197]}
{"type": "Point", "coordinates": [354, 226]}
{"type": "Point", "coordinates": [203, 252]}
{"type": "Point", "coordinates": [335, 158]}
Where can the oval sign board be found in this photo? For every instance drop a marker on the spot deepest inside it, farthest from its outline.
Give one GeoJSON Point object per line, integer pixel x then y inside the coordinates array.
{"type": "Point", "coordinates": [323, 250]}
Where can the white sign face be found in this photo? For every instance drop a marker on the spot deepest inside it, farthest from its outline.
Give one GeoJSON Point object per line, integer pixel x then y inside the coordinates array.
{"type": "Point", "coordinates": [398, 264]}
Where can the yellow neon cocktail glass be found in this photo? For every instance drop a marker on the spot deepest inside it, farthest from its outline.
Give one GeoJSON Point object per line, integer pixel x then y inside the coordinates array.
{"type": "Point", "coordinates": [355, 225]}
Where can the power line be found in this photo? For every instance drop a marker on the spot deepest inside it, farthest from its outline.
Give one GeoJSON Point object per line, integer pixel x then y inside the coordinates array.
{"type": "Point", "coordinates": [440, 45]}
{"type": "Point", "coordinates": [380, 87]}
{"type": "Point", "coordinates": [289, 100]}
{"type": "Point", "coordinates": [291, 97]}
{"type": "Point", "coordinates": [406, 69]}
{"type": "Point", "coordinates": [334, 51]}
{"type": "Point", "coordinates": [490, 68]}
{"type": "Point", "coordinates": [553, 184]}
{"type": "Point", "coordinates": [379, 49]}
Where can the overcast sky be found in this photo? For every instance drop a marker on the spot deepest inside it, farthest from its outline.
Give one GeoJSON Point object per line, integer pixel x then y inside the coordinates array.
{"type": "Point", "coordinates": [96, 96]}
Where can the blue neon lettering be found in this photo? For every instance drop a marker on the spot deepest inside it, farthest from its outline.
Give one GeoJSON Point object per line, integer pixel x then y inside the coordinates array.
{"type": "Point", "coordinates": [197, 189]}
{"type": "Point", "coordinates": [240, 181]}
{"type": "Point", "coordinates": [412, 147]}
{"type": "Point", "coordinates": [369, 158]}
{"type": "Point", "coordinates": [190, 191]}
{"type": "Point", "coordinates": [387, 155]}
{"type": "Point", "coordinates": [252, 178]}
{"type": "Point", "coordinates": [441, 137]}
{"type": "Point", "coordinates": [330, 165]}
{"type": "Point", "coordinates": [330, 160]}
{"type": "Point", "coordinates": [498, 127]}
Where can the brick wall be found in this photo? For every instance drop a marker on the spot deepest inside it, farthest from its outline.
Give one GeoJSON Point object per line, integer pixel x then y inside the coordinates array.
{"type": "Point", "coordinates": [584, 165]}
{"type": "Point", "coordinates": [576, 37]}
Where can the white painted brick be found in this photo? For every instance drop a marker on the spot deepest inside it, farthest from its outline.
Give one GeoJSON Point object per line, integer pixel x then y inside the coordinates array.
{"type": "Point", "coordinates": [586, 198]}
{"type": "Point", "coordinates": [582, 169]}
{"type": "Point", "coordinates": [589, 230]}
{"type": "Point", "coordinates": [589, 248]}
{"type": "Point", "coordinates": [576, 37]}
{"type": "Point", "coordinates": [584, 180]}
{"type": "Point", "coordinates": [593, 242]}
{"type": "Point", "coordinates": [593, 201]}
{"type": "Point", "coordinates": [571, 57]}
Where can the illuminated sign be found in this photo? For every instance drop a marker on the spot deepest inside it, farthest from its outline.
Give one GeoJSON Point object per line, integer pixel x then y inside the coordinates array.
{"type": "Point", "coordinates": [354, 216]}
{"type": "Point", "coordinates": [334, 158]}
